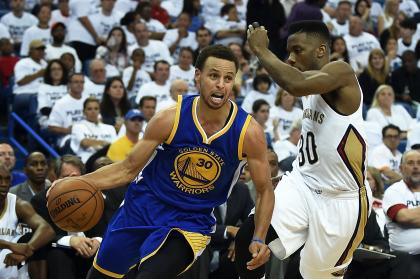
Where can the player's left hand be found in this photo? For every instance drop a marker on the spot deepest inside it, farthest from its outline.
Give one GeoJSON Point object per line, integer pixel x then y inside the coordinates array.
{"type": "Point", "coordinates": [260, 255]}
{"type": "Point", "coordinates": [13, 259]}
{"type": "Point", "coordinates": [257, 38]}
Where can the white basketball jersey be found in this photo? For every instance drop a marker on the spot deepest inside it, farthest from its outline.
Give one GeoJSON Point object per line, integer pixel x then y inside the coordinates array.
{"type": "Point", "coordinates": [332, 147]}
{"type": "Point", "coordinates": [8, 219]}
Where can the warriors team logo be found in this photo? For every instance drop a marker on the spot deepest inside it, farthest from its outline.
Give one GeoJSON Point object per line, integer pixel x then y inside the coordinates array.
{"type": "Point", "coordinates": [196, 171]}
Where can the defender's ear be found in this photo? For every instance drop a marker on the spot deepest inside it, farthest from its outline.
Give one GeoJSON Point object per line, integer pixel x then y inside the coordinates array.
{"type": "Point", "coordinates": [322, 51]}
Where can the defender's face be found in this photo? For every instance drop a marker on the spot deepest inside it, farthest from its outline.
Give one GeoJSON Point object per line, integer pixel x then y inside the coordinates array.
{"type": "Point", "coordinates": [302, 52]}
{"type": "Point", "coordinates": [215, 82]}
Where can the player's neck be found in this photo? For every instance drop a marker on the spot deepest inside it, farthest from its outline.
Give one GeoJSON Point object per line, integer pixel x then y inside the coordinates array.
{"type": "Point", "coordinates": [207, 115]}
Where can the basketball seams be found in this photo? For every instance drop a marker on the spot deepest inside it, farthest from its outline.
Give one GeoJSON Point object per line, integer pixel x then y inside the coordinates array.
{"type": "Point", "coordinates": [92, 195]}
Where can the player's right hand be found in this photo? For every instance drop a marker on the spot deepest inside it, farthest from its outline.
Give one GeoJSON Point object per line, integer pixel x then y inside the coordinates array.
{"type": "Point", "coordinates": [260, 255]}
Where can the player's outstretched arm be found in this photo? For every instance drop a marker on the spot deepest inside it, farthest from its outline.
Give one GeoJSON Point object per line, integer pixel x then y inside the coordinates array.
{"type": "Point", "coordinates": [121, 173]}
{"type": "Point", "coordinates": [331, 77]}
{"type": "Point", "coordinates": [255, 149]}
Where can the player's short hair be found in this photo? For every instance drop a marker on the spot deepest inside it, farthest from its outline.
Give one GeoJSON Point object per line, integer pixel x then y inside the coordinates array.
{"type": "Point", "coordinates": [217, 51]}
{"type": "Point", "coordinates": [315, 28]}
{"type": "Point", "coordinates": [390, 127]}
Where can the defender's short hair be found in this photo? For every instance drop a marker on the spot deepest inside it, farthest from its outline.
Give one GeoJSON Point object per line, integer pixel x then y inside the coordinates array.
{"type": "Point", "coordinates": [314, 28]}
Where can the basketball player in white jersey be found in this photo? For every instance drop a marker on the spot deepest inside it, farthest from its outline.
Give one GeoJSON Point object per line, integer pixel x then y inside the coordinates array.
{"type": "Point", "coordinates": [324, 203]}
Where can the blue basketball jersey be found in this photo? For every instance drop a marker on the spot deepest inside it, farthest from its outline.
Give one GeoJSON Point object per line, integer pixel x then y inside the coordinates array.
{"type": "Point", "coordinates": [190, 170]}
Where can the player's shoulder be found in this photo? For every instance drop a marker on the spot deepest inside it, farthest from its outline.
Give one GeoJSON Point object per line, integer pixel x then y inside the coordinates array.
{"type": "Point", "coordinates": [338, 67]}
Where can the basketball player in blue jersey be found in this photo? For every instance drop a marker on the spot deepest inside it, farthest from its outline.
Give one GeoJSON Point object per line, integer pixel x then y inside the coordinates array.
{"type": "Point", "coordinates": [324, 203]}
{"type": "Point", "coordinates": [189, 159]}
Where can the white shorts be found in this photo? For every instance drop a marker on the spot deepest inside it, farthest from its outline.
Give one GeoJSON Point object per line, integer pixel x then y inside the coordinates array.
{"type": "Point", "coordinates": [331, 226]}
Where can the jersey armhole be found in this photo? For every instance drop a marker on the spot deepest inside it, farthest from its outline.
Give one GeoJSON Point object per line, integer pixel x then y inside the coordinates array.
{"type": "Point", "coordinates": [242, 137]}
{"type": "Point", "coordinates": [176, 122]}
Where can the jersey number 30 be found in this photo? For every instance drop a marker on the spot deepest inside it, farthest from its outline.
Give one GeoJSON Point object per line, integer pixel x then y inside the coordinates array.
{"type": "Point", "coordinates": [307, 146]}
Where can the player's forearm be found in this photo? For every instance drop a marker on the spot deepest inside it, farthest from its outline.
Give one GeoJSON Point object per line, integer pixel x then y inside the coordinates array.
{"type": "Point", "coordinates": [284, 75]}
{"type": "Point", "coordinates": [263, 211]}
{"type": "Point", "coordinates": [4, 244]}
{"type": "Point", "coordinates": [43, 234]}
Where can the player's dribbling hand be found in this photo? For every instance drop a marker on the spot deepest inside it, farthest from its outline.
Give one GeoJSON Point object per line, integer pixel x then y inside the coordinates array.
{"type": "Point", "coordinates": [260, 255]}
{"type": "Point", "coordinates": [257, 37]}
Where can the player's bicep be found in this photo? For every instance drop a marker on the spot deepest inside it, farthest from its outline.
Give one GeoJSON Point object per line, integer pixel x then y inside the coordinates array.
{"type": "Point", "coordinates": [255, 149]}
{"type": "Point", "coordinates": [27, 214]}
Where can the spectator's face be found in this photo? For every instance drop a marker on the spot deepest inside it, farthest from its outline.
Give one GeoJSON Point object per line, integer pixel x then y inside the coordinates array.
{"type": "Point", "coordinates": [17, 5]}
{"type": "Point", "coordinates": [391, 45]}
{"type": "Point", "coordinates": [185, 59]}
{"type": "Point", "coordinates": [287, 100]}
{"type": "Point", "coordinates": [146, 13]}
{"type": "Point", "coordinates": [63, 6]}
{"type": "Point", "coordinates": [137, 56]}
{"type": "Point", "coordinates": [68, 61]}
{"type": "Point", "coordinates": [118, 36]}
{"type": "Point", "coordinates": [76, 84]}
{"type": "Point", "coordinates": [91, 112]}
{"type": "Point", "coordinates": [371, 180]}
{"type": "Point", "coordinates": [410, 168]}
{"type": "Point", "coordinates": [343, 11]}
{"type": "Point", "coordinates": [56, 72]}
{"type": "Point", "coordinates": [339, 46]}
{"type": "Point", "coordinates": [203, 38]}
{"type": "Point", "coordinates": [44, 15]}
{"type": "Point", "coordinates": [58, 34]}
{"type": "Point", "coordinates": [386, 98]}
{"type": "Point", "coordinates": [233, 15]}
{"type": "Point", "coordinates": [7, 156]}
{"type": "Point", "coordinates": [273, 162]}
{"type": "Point", "coordinates": [261, 116]}
{"type": "Point", "coordinates": [134, 125]}
{"type": "Point", "coordinates": [5, 180]}
{"type": "Point", "coordinates": [406, 33]}
{"type": "Point", "coordinates": [148, 109]}
{"type": "Point", "coordinates": [97, 72]}
{"type": "Point", "coordinates": [36, 168]}
{"type": "Point", "coordinates": [179, 88]}
{"type": "Point", "coordinates": [141, 32]}
{"type": "Point", "coordinates": [245, 175]}
{"type": "Point", "coordinates": [162, 72]}
{"type": "Point", "coordinates": [184, 21]}
{"type": "Point", "coordinates": [409, 62]}
{"type": "Point", "coordinates": [236, 50]}
{"type": "Point", "coordinates": [68, 170]}
{"type": "Point", "coordinates": [377, 62]}
{"type": "Point", "coordinates": [116, 90]}
{"type": "Point", "coordinates": [391, 139]}
{"type": "Point", "coordinates": [263, 86]}
{"type": "Point", "coordinates": [108, 5]}
{"type": "Point", "coordinates": [37, 53]}
{"type": "Point", "coordinates": [7, 47]}
{"type": "Point", "coordinates": [355, 26]}
{"type": "Point", "coordinates": [361, 7]}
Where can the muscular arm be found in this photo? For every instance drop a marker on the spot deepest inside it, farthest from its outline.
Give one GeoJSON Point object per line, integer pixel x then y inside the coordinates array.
{"type": "Point", "coordinates": [255, 148]}
{"type": "Point", "coordinates": [42, 231]}
{"type": "Point", "coordinates": [59, 130]}
{"type": "Point", "coordinates": [123, 172]}
{"type": "Point", "coordinates": [409, 217]}
{"type": "Point", "coordinates": [29, 78]}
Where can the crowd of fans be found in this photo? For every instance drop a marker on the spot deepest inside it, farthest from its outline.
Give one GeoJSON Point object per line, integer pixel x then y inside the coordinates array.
{"type": "Point", "coordinates": [88, 75]}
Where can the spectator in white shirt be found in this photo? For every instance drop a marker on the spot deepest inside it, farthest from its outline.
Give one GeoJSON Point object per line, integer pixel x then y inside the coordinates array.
{"type": "Point", "coordinates": [128, 22]}
{"type": "Point", "coordinates": [135, 76]}
{"type": "Point", "coordinates": [153, 49]}
{"type": "Point", "coordinates": [288, 146]}
{"type": "Point", "coordinates": [159, 88]}
{"type": "Point", "coordinates": [17, 21]}
{"type": "Point", "coordinates": [413, 137]}
{"type": "Point", "coordinates": [57, 46]}
{"type": "Point", "coordinates": [261, 85]}
{"type": "Point", "coordinates": [384, 111]}
{"type": "Point", "coordinates": [95, 84]}
{"type": "Point", "coordinates": [28, 74]}
{"type": "Point", "coordinates": [204, 38]}
{"type": "Point", "coordinates": [4, 32]}
{"type": "Point", "coordinates": [67, 111]}
{"type": "Point", "coordinates": [41, 31]}
{"type": "Point", "coordinates": [89, 135]}
{"type": "Point", "coordinates": [390, 14]}
{"type": "Point", "coordinates": [69, 62]}
{"type": "Point", "coordinates": [51, 90]}
{"type": "Point", "coordinates": [408, 28]}
{"type": "Point", "coordinates": [180, 36]}
{"type": "Point", "coordinates": [359, 44]}
{"type": "Point", "coordinates": [341, 21]}
{"type": "Point", "coordinates": [386, 157]}
{"type": "Point", "coordinates": [62, 14]}
{"type": "Point", "coordinates": [185, 70]}
{"type": "Point", "coordinates": [105, 19]}
{"type": "Point", "coordinates": [179, 87]}
{"type": "Point", "coordinates": [156, 28]}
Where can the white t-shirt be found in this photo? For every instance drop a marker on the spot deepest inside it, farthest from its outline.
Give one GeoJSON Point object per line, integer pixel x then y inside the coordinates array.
{"type": "Point", "coordinates": [154, 25]}
{"type": "Point", "coordinates": [92, 89]}
{"type": "Point", "coordinates": [142, 77]}
{"type": "Point", "coordinates": [4, 32]}
{"type": "Point", "coordinates": [254, 95]}
{"type": "Point", "coordinates": [413, 136]}
{"type": "Point", "coordinates": [383, 157]}
{"type": "Point", "coordinates": [48, 95]}
{"type": "Point", "coordinates": [24, 67]}
{"type": "Point", "coordinates": [174, 7]}
{"type": "Point", "coordinates": [219, 24]}
{"type": "Point", "coordinates": [52, 52]}
{"type": "Point", "coordinates": [168, 102]}
{"type": "Point", "coordinates": [286, 118]}
{"type": "Point", "coordinates": [340, 29]}
{"type": "Point", "coordinates": [211, 9]}
{"type": "Point", "coordinates": [18, 25]}
{"type": "Point", "coordinates": [403, 47]}
{"type": "Point", "coordinates": [177, 73]}
{"type": "Point", "coordinates": [172, 35]}
{"type": "Point", "coordinates": [399, 117]}
{"type": "Point", "coordinates": [34, 33]}
{"type": "Point", "coordinates": [103, 23]}
{"type": "Point", "coordinates": [89, 130]}
{"type": "Point", "coordinates": [125, 6]}
{"type": "Point", "coordinates": [154, 51]}
{"type": "Point", "coordinates": [161, 92]}
{"type": "Point", "coordinates": [131, 39]}
{"type": "Point", "coordinates": [359, 49]}
{"type": "Point", "coordinates": [402, 238]}
{"type": "Point", "coordinates": [65, 113]}
{"type": "Point", "coordinates": [78, 9]}
{"type": "Point", "coordinates": [408, 7]}
{"type": "Point", "coordinates": [57, 16]}
{"type": "Point", "coordinates": [285, 149]}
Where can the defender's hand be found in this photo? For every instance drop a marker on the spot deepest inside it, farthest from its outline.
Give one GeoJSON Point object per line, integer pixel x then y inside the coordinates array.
{"type": "Point", "coordinates": [260, 255]}
{"type": "Point", "coordinates": [257, 37]}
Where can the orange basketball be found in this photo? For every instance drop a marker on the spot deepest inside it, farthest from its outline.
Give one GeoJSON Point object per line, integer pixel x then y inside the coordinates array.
{"type": "Point", "coordinates": [75, 205]}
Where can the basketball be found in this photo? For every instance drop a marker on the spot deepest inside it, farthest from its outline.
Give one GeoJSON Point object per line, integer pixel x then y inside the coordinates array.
{"type": "Point", "coordinates": [75, 205]}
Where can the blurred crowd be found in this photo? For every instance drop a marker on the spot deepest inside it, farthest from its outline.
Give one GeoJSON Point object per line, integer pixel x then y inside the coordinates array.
{"type": "Point", "coordinates": [88, 75]}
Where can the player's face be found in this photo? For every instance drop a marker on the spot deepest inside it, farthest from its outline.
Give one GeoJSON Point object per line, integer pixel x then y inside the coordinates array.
{"type": "Point", "coordinates": [5, 179]}
{"type": "Point", "coordinates": [302, 52]}
{"type": "Point", "coordinates": [7, 156]}
{"type": "Point", "coordinates": [91, 112]}
{"type": "Point", "coordinates": [37, 167]}
{"type": "Point", "coordinates": [215, 81]}
{"type": "Point", "coordinates": [410, 169]}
